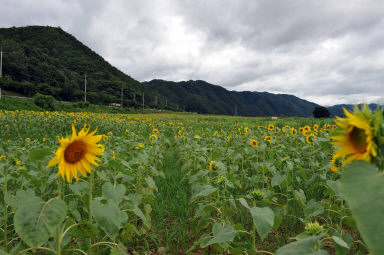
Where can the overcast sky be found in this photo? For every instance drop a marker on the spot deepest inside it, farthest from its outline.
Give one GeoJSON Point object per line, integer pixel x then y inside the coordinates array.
{"type": "Point", "coordinates": [328, 52]}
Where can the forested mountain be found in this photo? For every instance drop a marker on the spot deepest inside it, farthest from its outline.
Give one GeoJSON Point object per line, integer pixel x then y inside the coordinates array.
{"type": "Point", "coordinates": [337, 110]}
{"type": "Point", "coordinates": [202, 97]}
{"type": "Point", "coordinates": [50, 61]}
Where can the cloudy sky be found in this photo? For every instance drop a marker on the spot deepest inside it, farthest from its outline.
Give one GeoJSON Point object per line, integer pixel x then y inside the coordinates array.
{"type": "Point", "coordinates": [325, 51]}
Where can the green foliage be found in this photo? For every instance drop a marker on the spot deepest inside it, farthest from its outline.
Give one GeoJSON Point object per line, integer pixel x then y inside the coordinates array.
{"type": "Point", "coordinates": [50, 61]}
{"type": "Point", "coordinates": [202, 97]}
{"type": "Point", "coordinates": [36, 221]}
{"type": "Point", "coordinates": [263, 220]}
{"type": "Point", "coordinates": [321, 112]}
{"type": "Point", "coordinates": [362, 186]}
{"type": "Point", "coordinates": [307, 246]}
{"type": "Point", "coordinates": [44, 101]}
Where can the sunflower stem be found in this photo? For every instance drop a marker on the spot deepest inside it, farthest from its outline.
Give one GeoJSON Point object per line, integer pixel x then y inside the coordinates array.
{"type": "Point", "coordinates": [58, 235]}
{"type": "Point", "coordinates": [5, 209]}
{"type": "Point", "coordinates": [90, 210]}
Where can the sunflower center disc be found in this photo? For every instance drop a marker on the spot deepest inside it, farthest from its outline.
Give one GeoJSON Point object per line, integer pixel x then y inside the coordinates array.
{"type": "Point", "coordinates": [358, 139]}
{"type": "Point", "coordinates": [74, 152]}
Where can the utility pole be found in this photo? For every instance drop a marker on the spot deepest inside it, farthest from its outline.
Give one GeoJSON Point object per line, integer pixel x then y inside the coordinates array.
{"type": "Point", "coordinates": [85, 88]}
{"type": "Point", "coordinates": [1, 66]}
{"type": "Point", "coordinates": [121, 104]}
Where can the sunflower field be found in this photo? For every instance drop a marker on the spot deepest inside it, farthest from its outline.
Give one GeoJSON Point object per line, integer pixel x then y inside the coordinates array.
{"type": "Point", "coordinates": [96, 183]}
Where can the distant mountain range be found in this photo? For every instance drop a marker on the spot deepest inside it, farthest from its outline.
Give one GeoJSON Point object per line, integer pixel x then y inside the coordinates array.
{"type": "Point", "coordinates": [202, 97]}
{"type": "Point", "coordinates": [337, 110]}
{"type": "Point", "coordinates": [50, 61]}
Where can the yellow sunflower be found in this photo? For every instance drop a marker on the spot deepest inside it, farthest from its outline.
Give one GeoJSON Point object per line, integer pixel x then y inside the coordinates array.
{"type": "Point", "coordinates": [77, 154]}
{"type": "Point", "coordinates": [213, 165]}
{"type": "Point", "coordinates": [271, 127]}
{"type": "Point", "coordinates": [293, 131]}
{"type": "Point", "coordinates": [309, 138]}
{"type": "Point", "coordinates": [333, 168]}
{"type": "Point", "coordinates": [356, 141]}
{"type": "Point", "coordinates": [254, 143]}
{"type": "Point", "coordinates": [268, 139]}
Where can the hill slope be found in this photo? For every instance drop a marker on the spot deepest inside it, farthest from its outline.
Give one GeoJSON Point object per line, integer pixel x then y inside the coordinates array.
{"type": "Point", "coordinates": [202, 97]}
{"type": "Point", "coordinates": [50, 61]}
{"type": "Point", "coordinates": [337, 110]}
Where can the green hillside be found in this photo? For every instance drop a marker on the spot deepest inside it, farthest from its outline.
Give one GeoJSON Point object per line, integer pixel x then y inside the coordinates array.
{"type": "Point", "coordinates": [202, 97]}
{"type": "Point", "coordinates": [50, 61]}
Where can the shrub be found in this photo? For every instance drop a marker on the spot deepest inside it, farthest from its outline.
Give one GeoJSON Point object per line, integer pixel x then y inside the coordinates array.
{"type": "Point", "coordinates": [44, 101]}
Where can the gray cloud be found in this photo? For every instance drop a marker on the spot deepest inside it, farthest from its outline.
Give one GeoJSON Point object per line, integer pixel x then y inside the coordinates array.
{"type": "Point", "coordinates": [328, 51]}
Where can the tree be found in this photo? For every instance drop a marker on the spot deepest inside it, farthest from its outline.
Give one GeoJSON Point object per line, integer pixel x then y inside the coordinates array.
{"type": "Point", "coordinates": [321, 112]}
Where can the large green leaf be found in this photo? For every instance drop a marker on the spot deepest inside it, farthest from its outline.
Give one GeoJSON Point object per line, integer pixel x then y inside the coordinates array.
{"type": "Point", "coordinates": [115, 193]}
{"type": "Point", "coordinates": [277, 179]}
{"type": "Point", "coordinates": [221, 234]}
{"type": "Point", "coordinates": [362, 186]}
{"type": "Point", "coordinates": [107, 216]}
{"type": "Point", "coordinates": [203, 191]}
{"type": "Point", "coordinates": [38, 154]}
{"type": "Point", "coordinates": [22, 197]}
{"type": "Point", "coordinates": [36, 221]}
{"type": "Point", "coordinates": [306, 246]}
{"type": "Point", "coordinates": [263, 220]}
{"type": "Point", "coordinates": [84, 229]}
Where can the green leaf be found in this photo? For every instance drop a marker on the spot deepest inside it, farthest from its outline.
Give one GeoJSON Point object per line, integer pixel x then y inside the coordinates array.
{"type": "Point", "coordinates": [113, 193]}
{"type": "Point", "coordinates": [221, 234]}
{"type": "Point", "coordinates": [107, 216]}
{"type": "Point", "coordinates": [119, 250]}
{"type": "Point", "coordinates": [151, 183]}
{"type": "Point", "coordinates": [22, 197]}
{"type": "Point", "coordinates": [79, 187]}
{"type": "Point", "coordinates": [36, 221]}
{"type": "Point", "coordinates": [340, 242]}
{"type": "Point", "coordinates": [362, 186]}
{"type": "Point", "coordinates": [203, 191]}
{"type": "Point", "coordinates": [38, 154]}
{"type": "Point", "coordinates": [300, 196]}
{"type": "Point", "coordinates": [3, 252]}
{"type": "Point", "coordinates": [277, 179]}
{"type": "Point", "coordinates": [312, 209]}
{"type": "Point", "coordinates": [84, 229]}
{"type": "Point", "coordinates": [306, 246]}
{"type": "Point", "coordinates": [263, 220]}
{"type": "Point", "coordinates": [244, 203]}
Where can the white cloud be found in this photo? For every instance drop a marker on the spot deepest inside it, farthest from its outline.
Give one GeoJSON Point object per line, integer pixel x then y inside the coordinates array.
{"type": "Point", "coordinates": [328, 51]}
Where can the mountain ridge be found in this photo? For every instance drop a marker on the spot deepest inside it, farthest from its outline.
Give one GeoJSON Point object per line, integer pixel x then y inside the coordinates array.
{"type": "Point", "coordinates": [51, 61]}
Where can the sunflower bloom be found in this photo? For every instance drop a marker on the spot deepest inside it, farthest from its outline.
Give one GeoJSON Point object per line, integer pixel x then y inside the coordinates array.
{"type": "Point", "coordinates": [213, 166]}
{"type": "Point", "coordinates": [254, 143]}
{"type": "Point", "coordinates": [356, 141]}
{"type": "Point", "coordinates": [77, 153]}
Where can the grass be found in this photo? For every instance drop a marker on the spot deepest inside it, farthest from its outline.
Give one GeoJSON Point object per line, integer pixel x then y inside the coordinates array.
{"type": "Point", "coordinates": [12, 104]}
{"type": "Point", "coordinates": [171, 210]}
